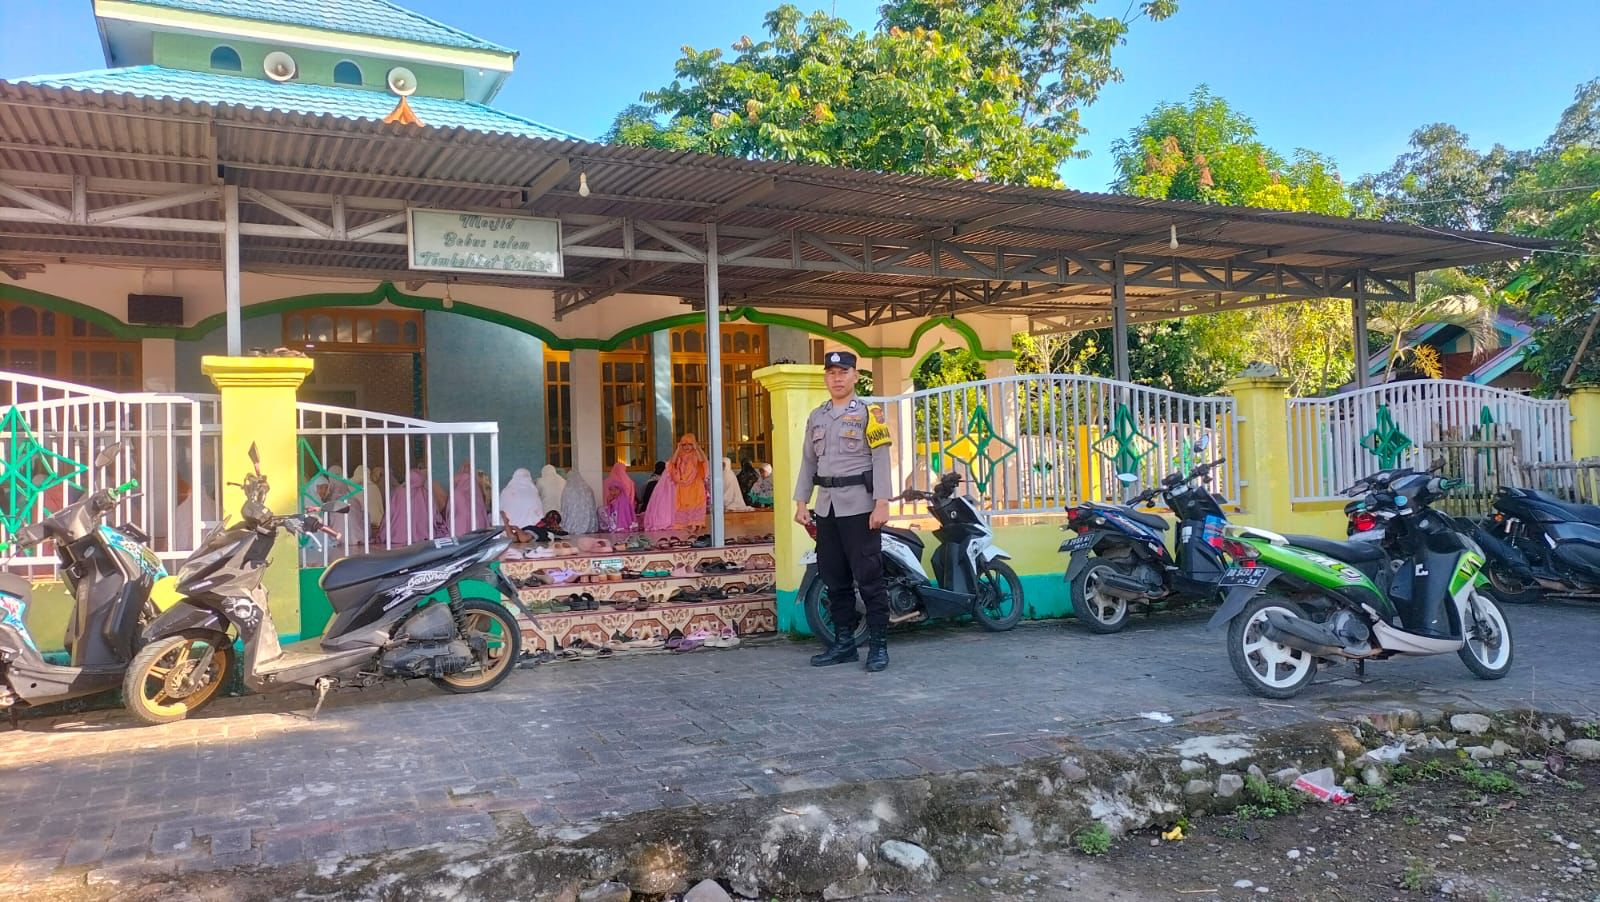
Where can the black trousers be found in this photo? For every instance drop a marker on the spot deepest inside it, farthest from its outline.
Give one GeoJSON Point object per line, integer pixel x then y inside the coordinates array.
{"type": "Point", "coordinates": [850, 559]}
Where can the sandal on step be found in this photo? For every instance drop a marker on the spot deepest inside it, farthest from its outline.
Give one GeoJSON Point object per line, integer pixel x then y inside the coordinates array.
{"type": "Point", "coordinates": [726, 639]}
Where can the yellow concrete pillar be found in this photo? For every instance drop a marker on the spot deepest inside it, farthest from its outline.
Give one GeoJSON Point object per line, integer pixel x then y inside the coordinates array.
{"type": "Point", "coordinates": [258, 398]}
{"type": "Point", "coordinates": [1262, 403]}
{"type": "Point", "coordinates": [1585, 404]}
{"type": "Point", "coordinates": [795, 390]}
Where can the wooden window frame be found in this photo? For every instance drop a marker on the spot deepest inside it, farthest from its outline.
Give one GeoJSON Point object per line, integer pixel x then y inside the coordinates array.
{"type": "Point", "coordinates": [558, 409]}
{"type": "Point", "coordinates": [739, 395]}
{"type": "Point", "coordinates": [634, 353]}
{"type": "Point", "coordinates": [71, 335]}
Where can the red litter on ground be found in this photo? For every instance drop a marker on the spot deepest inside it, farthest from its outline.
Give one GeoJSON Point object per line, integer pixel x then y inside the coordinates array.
{"type": "Point", "coordinates": [1321, 785]}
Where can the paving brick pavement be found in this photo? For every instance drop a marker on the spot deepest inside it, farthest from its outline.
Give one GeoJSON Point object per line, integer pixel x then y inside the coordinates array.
{"type": "Point", "coordinates": [253, 780]}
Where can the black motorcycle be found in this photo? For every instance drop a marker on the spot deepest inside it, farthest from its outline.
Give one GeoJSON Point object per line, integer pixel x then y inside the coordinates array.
{"type": "Point", "coordinates": [1120, 558]}
{"type": "Point", "coordinates": [109, 572]}
{"type": "Point", "coordinates": [386, 625]}
{"type": "Point", "coordinates": [973, 577]}
{"type": "Point", "coordinates": [1537, 543]}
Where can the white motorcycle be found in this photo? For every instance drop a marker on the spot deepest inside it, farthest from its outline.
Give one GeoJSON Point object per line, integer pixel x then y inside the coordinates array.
{"type": "Point", "coordinates": [972, 575]}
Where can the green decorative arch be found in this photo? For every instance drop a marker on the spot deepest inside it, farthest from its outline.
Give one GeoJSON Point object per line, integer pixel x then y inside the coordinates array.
{"type": "Point", "coordinates": [386, 291]}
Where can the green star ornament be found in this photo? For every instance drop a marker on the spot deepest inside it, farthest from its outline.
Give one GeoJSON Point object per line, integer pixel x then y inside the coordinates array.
{"type": "Point", "coordinates": [980, 448]}
{"type": "Point", "coordinates": [1125, 446]}
{"type": "Point", "coordinates": [1385, 441]}
{"type": "Point", "coordinates": [308, 494]}
{"type": "Point", "coordinates": [19, 486]}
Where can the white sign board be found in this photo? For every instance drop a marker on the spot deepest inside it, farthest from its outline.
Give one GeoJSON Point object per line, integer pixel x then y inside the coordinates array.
{"type": "Point", "coordinates": [480, 242]}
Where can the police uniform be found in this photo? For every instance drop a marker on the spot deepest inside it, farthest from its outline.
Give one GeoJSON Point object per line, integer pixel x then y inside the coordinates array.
{"type": "Point", "coordinates": [846, 459]}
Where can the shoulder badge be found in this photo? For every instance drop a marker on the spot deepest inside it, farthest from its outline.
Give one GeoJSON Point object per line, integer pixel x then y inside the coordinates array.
{"type": "Point", "coordinates": [877, 430]}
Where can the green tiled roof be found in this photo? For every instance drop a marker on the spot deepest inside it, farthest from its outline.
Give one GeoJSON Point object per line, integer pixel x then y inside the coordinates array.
{"type": "Point", "coordinates": [377, 18]}
{"type": "Point", "coordinates": [294, 97]}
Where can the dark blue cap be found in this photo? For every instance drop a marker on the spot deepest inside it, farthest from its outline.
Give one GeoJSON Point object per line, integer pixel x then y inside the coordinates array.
{"type": "Point", "coordinates": [839, 358]}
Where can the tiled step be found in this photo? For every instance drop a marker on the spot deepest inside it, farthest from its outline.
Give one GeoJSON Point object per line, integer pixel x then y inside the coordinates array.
{"type": "Point", "coordinates": [746, 616]}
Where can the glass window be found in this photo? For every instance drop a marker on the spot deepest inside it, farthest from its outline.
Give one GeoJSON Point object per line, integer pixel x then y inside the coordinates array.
{"type": "Point", "coordinates": [57, 346]}
{"type": "Point", "coordinates": [226, 59]}
{"type": "Point", "coordinates": [746, 411]}
{"type": "Point", "coordinates": [388, 332]}
{"type": "Point", "coordinates": [558, 408]}
{"type": "Point", "coordinates": [347, 73]}
{"type": "Point", "coordinates": [321, 328]}
{"type": "Point", "coordinates": [627, 410]}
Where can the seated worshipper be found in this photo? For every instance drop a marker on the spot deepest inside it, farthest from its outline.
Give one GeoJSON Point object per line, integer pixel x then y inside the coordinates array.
{"type": "Point", "coordinates": [761, 492]}
{"type": "Point", "coordinates": [579, 514]}
{"type": "Point", "coordinates": [747, 478]}
{"type": "Point", "coordinates": [732, 497]}
{"type": "Point", "coordinates": [617, 515]}
{"type": "Point", "coordinates": [650, 486]}
{"type": "Point", "coordinates": [521, 506]}
{"type": "Point", "coordinates": [352, 524]}
{"type": "Point", "coordinates": [414, 512]}
{"type": "Point", "coordinates": [467, 510]}
{"type": "Point", "coordinates": [551, 485]}
{"type": "Point", "coordinates": [374, 494]}
{"type": "Point", "coordinates": [679, 501]}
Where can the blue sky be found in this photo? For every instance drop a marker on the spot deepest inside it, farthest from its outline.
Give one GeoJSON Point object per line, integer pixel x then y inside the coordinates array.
{"type": "Point", "coordinates": [1350, 79]}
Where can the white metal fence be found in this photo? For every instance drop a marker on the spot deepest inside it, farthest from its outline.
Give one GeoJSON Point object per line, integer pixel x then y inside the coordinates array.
{"type": "Point", "coordinates": [406, 480]}
{"type": "Point", "coordinates": [1326, 453]}
{"type": "Point", "coordinates": [174, 445]}
{"type": "Point", "coordinates": [1037, 443]}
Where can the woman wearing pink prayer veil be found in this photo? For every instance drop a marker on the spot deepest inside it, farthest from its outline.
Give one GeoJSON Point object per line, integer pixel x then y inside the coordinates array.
{"type": "Point", "coordinates": [467, 509]}
{"type": "Point", "coordinates": [679, 501]}
{"type": "Point", "coordinates": [411, 512]}
{"type": "Point", "coordinates": [619, 499]}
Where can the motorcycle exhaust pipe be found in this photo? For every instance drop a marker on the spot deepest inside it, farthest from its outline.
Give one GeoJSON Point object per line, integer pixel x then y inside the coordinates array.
{"type": "Point", "coordinates": [1126, 587]}
{"type": "Point", "coordinates": [1311, 638]}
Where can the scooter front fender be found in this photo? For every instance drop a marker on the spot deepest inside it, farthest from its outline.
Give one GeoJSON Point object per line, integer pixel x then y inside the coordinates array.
{"type": "Point", "coordinates": [993, 553]}
{"type": "Point", "coordinates": [185, 615]}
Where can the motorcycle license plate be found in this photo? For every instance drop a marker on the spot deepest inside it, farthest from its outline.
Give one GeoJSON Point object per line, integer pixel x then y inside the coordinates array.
{"type": "Point", "coordinates": [1078, 544]}
{"type": "Point", "coordinates": [1249, 577]}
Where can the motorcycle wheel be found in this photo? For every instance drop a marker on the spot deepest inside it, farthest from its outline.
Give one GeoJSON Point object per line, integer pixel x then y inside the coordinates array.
{"type": "Point", "coordinates": [814, 598]}
{"type": "Point", "coordinates": [1267, 668]}
{"type": "Point", "coordinates": [999, 606]}
{"type": "Point", "coordinates": [1509, 589]}
{"type": "Point", "coordinates": [1099, 612]}
{"type": "Point", "coordinates": [1487, 656]}
{"type": "Point", "coordinates": [502, 640]}
{"type": "Point", "coordinates": [152, 688]}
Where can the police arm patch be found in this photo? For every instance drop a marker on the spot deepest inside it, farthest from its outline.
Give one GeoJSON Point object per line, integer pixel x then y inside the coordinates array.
{"type": "Point", "coordinates": [877, 431]}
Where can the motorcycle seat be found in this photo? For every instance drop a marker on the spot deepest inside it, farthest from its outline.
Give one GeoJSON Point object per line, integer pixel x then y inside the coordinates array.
{"type": "Point", "coordinates": [1154, 521]}
{"type": "Point", "coordinates": [1583, 513]}
{"type": "Point", "coordinates": [1358, 553]}
{"type": "Point", "coordinates": [362, 568]}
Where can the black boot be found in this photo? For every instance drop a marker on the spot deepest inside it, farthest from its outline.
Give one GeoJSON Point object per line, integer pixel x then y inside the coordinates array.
{"type": "Point", "coordinates": [842, 651]}
{"type": "Point", "coordinates": [877, 651]}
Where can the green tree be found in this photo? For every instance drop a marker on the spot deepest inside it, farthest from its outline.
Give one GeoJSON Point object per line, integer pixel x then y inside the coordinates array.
{"type": "Point", "coordinates": [1545, 192]}
{"type": "Point", "coordinates": [976, 90]}
{"type": "Point", "coordinates": [1205, 151]}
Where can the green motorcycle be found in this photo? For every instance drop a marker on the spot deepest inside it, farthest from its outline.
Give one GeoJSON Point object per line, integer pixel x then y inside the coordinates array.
{"type": "Point", "coordinates": [1292, 601]}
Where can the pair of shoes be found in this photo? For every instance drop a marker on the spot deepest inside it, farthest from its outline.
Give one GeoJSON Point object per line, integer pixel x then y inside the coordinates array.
{"type": "Point", "coordinates": [718, 565]}
{"type": "Point", "coordinates": [582, 602]}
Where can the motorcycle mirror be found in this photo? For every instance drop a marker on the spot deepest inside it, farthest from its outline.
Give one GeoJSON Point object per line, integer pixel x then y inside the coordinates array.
{"type": "Point", "coordinates": [108, 454]}
{"type": "Point", "coordinates": [1127, 478]}
{"type": "Point", "coordinates": [255, 458]}
{"type": "Point", "coordinates": [1202, 443]}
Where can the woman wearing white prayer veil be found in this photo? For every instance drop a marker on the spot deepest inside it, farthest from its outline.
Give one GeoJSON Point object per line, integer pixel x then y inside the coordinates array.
{"type": "Point", "coordinates": [732, 495]}
{"type": "Point", "coordinates": [520, 500]}
{"type": "Point", "coordinates": [375, 495]}
{"type": "Point", "coordinates": [551, 485]}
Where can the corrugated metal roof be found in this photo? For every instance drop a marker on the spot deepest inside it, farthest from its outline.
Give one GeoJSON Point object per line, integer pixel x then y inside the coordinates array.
{"type": "Point", "coordinates": [158, 82]}
{"type": "Point", "coordinates": [56, 128]}
{"type": "Point", "coordinates": [378, 18]}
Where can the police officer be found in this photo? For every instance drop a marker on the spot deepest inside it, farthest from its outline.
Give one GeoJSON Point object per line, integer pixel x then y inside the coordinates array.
{"type": "Point", "coordinates": [846, 459]}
